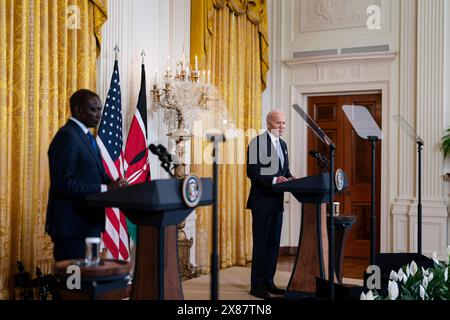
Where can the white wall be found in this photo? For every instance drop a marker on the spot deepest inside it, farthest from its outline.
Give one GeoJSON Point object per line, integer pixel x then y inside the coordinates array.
{"type": "Point", "coordinates": [159, 28]}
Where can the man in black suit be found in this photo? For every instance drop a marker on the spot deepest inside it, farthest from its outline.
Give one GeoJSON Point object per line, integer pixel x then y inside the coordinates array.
{"type": "Point", "coordinates": [76, 171]}
{"type": "Point", "coordinates": [267, 164]}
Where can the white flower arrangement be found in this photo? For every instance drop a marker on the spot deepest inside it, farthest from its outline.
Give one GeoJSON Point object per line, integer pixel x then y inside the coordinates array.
{"type": "Point", "coordinates": [412, 283]}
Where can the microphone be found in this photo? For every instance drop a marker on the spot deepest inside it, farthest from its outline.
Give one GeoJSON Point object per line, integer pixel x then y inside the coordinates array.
{"type": "Point", "coordinates": [163, 155]}
{"type": "Point", "coordinates": [314, 154]}
{"type": "Point", "coordinates": [322, 161]}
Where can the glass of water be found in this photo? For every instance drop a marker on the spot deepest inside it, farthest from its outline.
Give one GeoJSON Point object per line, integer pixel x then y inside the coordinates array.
{"type": "Point", "coordinates": [92, 251]}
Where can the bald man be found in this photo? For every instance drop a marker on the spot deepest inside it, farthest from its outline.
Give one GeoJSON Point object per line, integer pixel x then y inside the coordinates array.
{"type": "Point", "coordinates": [267, 164]}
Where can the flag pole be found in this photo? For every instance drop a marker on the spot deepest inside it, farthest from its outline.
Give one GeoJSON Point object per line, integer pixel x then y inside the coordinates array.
{"type": "Point", "coordinates": [116, 50]}
{"type": "Point", "coordinates": [143, 56]}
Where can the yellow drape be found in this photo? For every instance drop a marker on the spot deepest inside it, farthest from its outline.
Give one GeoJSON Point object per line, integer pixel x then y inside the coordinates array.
{"type": "Point", "coordinates": [230, 39]}
{"type": "Point", "coordinates": [48, 49]}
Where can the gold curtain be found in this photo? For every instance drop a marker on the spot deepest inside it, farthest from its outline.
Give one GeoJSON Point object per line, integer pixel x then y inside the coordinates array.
{"type": "Point", "coordinates": [48, 49]}
{"type": "Point", "coordinates": [230, 39]}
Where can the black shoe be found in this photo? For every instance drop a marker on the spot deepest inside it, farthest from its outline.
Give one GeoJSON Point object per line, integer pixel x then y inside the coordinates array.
{"type": "Point", "coordinates": [274, 290]}
{"type": "Point", "coordinates": [260, 293]}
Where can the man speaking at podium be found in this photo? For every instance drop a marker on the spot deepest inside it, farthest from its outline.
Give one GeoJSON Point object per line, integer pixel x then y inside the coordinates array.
{"type": "Point", "coordinates": [267, 164]}
{"type": "Point", "coordinates": [76, 171]}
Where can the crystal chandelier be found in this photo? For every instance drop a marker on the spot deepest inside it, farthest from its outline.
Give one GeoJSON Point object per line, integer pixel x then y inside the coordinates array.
{"type": "Point", "coordinates": [185, 97]}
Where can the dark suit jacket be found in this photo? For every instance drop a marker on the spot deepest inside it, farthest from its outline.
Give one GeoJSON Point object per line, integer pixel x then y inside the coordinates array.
{"type": "Point", "coordinates": [75, 172]}
{"type": "Point", "coordinates": [263, 164]}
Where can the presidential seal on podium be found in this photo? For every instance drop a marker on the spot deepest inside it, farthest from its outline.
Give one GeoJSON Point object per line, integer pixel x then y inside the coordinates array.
{"type": "Point", "coordinates": [339, 179]}
{"type": "Point", "coordinates": [191, 190]}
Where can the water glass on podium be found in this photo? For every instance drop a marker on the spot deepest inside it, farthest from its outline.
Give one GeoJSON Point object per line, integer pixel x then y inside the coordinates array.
{"type": "Point", "coordinates": [92, 257]}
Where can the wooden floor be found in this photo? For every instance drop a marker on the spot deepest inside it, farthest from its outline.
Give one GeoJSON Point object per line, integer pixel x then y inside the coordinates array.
{"type": "Point", "coordinates": [353, 267]}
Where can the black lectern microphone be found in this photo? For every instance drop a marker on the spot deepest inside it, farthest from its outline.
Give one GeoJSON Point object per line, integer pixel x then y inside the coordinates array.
{"type": "Point", "coordinates": [314, 154]}
{"type": "Point", "coordinates": [161, 152]}
{"type": "Point", "coordinates": [321, 159]}
{"type": "Point", "coordinates": [164, 156]}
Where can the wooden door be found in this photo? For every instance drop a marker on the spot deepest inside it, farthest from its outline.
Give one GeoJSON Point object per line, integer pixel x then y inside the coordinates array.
{"type": "Point", "coordinates": [353, 155]}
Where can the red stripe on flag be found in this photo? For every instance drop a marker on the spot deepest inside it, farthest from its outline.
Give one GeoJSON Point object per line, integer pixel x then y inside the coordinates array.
{"type": "Point", "coordinates": [110, 245]}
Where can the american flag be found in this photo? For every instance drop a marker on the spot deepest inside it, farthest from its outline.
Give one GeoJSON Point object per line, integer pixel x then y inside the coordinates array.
{"type": "Point", "coordinates": [109, 140]}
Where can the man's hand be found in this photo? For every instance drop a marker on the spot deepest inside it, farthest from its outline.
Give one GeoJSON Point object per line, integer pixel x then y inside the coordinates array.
{"type": "Point", "coordinates": [281, 179]}
{"type": "Point", "coordinates": [119, 183]}
{"type": "Point", "coordinates": [292, 178]}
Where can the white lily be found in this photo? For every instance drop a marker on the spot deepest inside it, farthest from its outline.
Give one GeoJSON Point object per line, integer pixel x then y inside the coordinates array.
{"type": "Point", "coordinates": [368, 296]}
{"type": "Point", "coordinates": [408, 271]}
{"type": "Point", "coordinates": [422, 292]}
{"type": "Point", "coordinates": [435, 258]}
{"type": "Point", "coordinates": [446, 275]}
{"type": "Point", "coordinates": [402, 276]}
{"type": "Point", "coordinates": [425, 282]}
{"type": "Point", "coordinates": [413, 268]}
{"type": "Point", "coordinates": [425, 272]}
{"type": "Point", "coordinates": [404, 279]}
{"type": "Point", "coordinates": [393, 276]}
{"type": "Point", "coordinates": [393, 290]}
{"type": "Point", "coordinates": [430, 277]}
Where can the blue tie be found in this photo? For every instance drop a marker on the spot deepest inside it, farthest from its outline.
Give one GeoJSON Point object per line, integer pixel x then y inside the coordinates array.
{"type": "Point", "coordinates": [280, 152]}
{"type": "Point", "coordinates": [92, 141]}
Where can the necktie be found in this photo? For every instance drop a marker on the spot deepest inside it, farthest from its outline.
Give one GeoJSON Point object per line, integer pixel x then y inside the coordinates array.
{"type": "Point", "coordinates": [280, 152]}
{"type": "Point", "coordinates": [92, 141]}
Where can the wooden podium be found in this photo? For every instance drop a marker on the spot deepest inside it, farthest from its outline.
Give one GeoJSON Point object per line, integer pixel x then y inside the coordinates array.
{"type": "Point", "coordinates": [312, 251]}
{"type": "Point", "coordinates": [156, 208]}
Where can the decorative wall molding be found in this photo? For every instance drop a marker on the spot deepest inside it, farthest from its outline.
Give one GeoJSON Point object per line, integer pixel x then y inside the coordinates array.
{"type": "Point", "coordinates": [321, 15]}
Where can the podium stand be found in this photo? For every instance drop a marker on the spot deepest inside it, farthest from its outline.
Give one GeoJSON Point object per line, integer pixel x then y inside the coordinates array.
{"type": "Point", "coordinates": [312, 253]}
{"type": "Point", "coordinates": [156, 208]}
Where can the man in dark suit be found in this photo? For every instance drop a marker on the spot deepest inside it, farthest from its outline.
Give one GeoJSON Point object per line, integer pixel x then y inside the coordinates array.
{"type": "Point", "coordinates": [76, 171]}
{"type": "Point", "coordinates": [267, 164]}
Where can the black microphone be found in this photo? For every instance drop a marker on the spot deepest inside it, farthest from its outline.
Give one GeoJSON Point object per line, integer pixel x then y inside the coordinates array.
{"type": "Point", "coordinates": [161, 152]}
{"type": "Point", "coordinates": [322, 161]}
{"type": "Point", "coordinates": [315, 155]}
{"type": "Point", "coordinates": [153, 149]}
{"type": "Point", "coordinates": [165, 155]}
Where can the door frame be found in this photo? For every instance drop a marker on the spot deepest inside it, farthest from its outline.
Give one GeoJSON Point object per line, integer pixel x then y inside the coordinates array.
{"type": "Point", "coordinates": [299, 95]}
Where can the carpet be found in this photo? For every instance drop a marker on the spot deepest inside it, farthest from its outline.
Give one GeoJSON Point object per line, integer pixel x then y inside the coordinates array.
{"type": "Point", "coordinates": [234, 284]}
